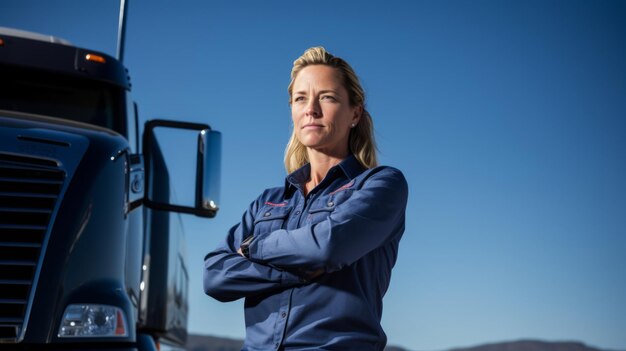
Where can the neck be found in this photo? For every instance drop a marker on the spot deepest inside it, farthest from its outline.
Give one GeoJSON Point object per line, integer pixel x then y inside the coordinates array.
{"type": "Point", "coordinates": [321, 163]}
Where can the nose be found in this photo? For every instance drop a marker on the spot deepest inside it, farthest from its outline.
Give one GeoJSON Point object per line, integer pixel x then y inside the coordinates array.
{"type": "Point", "coordinates": [313, 108]}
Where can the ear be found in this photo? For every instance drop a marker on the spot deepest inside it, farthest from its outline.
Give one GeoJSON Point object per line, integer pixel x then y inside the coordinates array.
{"type": "Point", "coordinates": [356, 116]}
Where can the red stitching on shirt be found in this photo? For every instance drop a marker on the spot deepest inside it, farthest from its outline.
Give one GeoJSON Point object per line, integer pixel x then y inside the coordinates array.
{"type": "Point", "coordinates": [343, 187]}
{"type": "Point", "coordinates": [276, 205]}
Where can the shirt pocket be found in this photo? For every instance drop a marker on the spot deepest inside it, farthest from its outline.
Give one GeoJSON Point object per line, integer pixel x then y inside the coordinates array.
{"type": "Point", "coordinates": [271, 217]}
{"type": "Point", "coordinates": [323, 207]}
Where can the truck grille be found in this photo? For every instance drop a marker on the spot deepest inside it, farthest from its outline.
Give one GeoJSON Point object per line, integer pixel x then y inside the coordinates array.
{"type": "Point", "coordinates": [29, 188]}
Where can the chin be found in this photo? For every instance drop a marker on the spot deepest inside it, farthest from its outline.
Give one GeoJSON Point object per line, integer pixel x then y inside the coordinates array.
{"type": "Point", "coordinates": [308, 142]}
{"type": "Point", "coordinates": [311, 146]}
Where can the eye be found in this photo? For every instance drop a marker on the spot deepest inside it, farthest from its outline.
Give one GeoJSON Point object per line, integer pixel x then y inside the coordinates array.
{"type": "Point", "coordinates": [298, 98]}
{"type": "Point", "coordinates": [329, 98]}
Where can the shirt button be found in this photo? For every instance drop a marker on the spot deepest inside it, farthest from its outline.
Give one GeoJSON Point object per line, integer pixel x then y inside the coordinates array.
{"type": "Point", "coordinates": [330, 204]}
{"type": "Point", "coordinates": [283, 314]}
{"type": "Point", "coordinates": [297, 212]}
{"type": "Point", "coordinates": [267, 214]}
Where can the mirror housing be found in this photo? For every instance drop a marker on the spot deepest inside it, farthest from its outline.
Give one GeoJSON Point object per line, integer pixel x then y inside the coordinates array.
{"type": "Point", "coordinates": [208, 168]}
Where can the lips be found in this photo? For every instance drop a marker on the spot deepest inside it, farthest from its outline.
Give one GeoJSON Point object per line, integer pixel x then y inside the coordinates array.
{"type": "Point", "coordinates": [312, 126]}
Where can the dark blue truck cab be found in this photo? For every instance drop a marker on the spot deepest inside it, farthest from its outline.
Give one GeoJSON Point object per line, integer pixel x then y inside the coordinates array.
{"type": "Point", "coordinates": [92, 252]}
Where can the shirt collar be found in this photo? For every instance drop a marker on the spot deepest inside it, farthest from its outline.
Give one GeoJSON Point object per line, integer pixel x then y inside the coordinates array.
{"type": "Point", "coordinates": [350, 166]}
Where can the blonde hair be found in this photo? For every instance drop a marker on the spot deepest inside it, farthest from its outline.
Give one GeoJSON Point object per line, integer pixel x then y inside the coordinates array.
{"type": "Point", "coordinates": [361, 141]}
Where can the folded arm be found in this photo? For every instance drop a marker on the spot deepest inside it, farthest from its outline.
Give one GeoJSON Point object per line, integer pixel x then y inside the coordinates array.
{"type": "Point", "coordinates": [228, 276]}
{"type": "Point", "coordinates": [370, 217]}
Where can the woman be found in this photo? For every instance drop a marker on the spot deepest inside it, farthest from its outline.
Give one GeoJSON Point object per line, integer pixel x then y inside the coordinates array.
{"type": "Point", "coordinates": [313, 258]}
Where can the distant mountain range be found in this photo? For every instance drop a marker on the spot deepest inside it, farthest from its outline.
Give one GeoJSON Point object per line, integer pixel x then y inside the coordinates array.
{"type": "Point", "coordinates": [213, 343]}
{"type": "Point", "coordinates": [531, 345]}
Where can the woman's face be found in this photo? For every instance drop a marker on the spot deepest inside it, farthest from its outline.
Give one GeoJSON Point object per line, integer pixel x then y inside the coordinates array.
{"type": "Point", "coordinates": [321, 111]}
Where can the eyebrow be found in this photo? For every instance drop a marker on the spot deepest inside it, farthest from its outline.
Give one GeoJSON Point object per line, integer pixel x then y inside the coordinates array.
{"type": "Point", "coordinates": [326, 91]}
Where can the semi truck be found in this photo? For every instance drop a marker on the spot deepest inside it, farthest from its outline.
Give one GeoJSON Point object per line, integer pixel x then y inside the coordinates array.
{"type": "Point", "coordinates": [92, 251]}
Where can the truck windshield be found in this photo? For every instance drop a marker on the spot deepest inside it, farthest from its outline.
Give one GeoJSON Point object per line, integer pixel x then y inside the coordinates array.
{"type": "Point", "coordinates": [62, 96]}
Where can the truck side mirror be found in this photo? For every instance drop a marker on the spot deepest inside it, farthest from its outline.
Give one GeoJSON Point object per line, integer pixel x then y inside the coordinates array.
{"type": "Point", "coordinates": [156, 194]}
{"type": "Point", "coordinates": [208, 171]}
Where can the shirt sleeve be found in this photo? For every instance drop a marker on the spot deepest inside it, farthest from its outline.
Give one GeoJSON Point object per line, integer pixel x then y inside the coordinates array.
{"type": "Point", "coordinates": [372, 215]}
{"type": "Point", "coordinates": [228, 276]}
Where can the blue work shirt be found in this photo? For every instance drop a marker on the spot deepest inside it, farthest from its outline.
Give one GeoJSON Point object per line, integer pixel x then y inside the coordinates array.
{"type": "Point", "coordinates": [349, 225]}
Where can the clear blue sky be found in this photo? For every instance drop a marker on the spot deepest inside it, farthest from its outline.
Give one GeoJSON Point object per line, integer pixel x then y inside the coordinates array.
{"type": "Point", "coordinates": [508, 119]}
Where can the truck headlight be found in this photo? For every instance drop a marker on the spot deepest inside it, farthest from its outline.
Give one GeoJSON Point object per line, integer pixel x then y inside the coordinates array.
{"type": "Point", "coordinates": [90, 320]}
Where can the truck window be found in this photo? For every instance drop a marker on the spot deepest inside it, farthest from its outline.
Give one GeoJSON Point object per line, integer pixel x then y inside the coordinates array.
{"type": "Point", "coordinates": [62, 96]}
